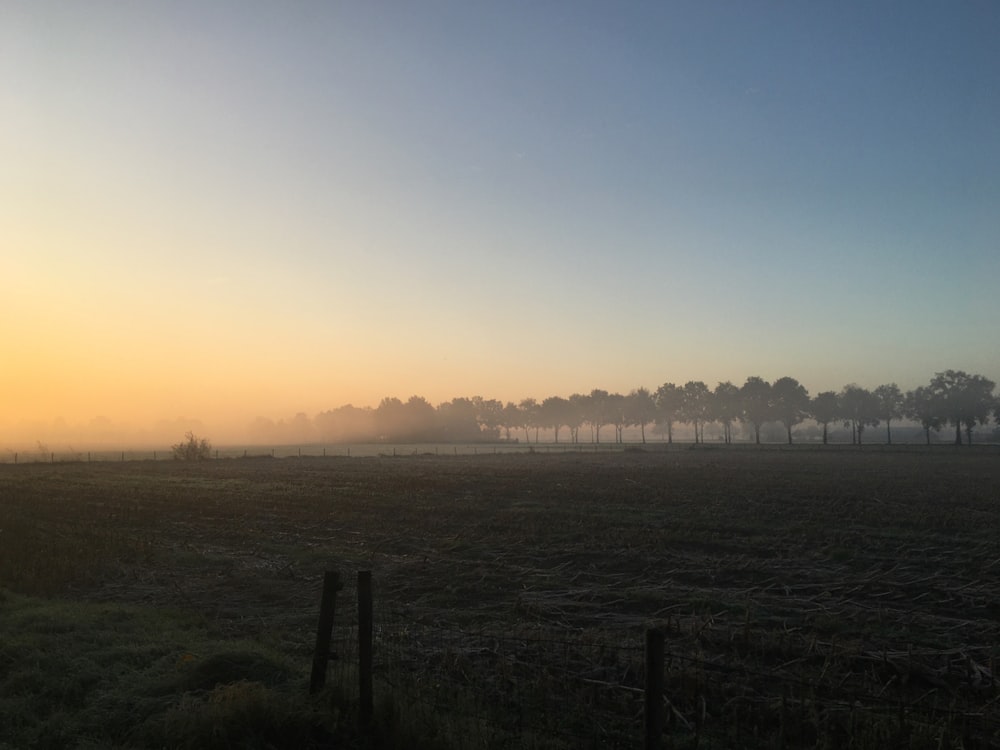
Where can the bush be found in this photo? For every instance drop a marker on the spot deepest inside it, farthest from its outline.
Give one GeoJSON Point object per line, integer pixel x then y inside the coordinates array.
{"type": "Point", "coordinates": [192, 449]}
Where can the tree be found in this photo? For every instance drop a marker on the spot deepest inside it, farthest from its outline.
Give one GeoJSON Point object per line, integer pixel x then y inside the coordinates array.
{"type": "Point", "coordinates": [554, 413]}
{"type": "Point", "coordinates": [890, 401]}
{"type": "Point", "coordinates": [726, 408]}
{"type": "Point", "coordinates": [192, 449]}
{"type": "Point", "coordinates": [597, 415]}
{"type": "Point", "coordinates": [860, 410]}
{"type": "Point", "coordinates": [641, 409]}
{"type": "Point", "coordinates": [618, 415]}
{"type": "Point", "coordinates": [458, 420]}
{"type": "Point", "coordinates": [966, 400]}
{"type": "Point", "coordinates": [512, 418]}
{"type": "Point", "coordinates": [696, 406]}
{"type": "Point", "coordinates": [489, 413]}
{"type": "Point", "coordinates": [576, 415]}
{"type": "Point", "coordinates": [825, 408]}
{"type": "Point", "coordinates": [790, 402]}
{"type": "Point", "coordinates": [921, 405]}
{"type": "Point", "coordinates": [755, 402]}
{"type": "Point", "coordinates": [669, 399]}
{"type": "Point", "coordinates": [529, 417]}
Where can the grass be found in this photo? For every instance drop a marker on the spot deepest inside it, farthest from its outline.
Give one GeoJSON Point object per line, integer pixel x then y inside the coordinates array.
{"type": "Point", "coordinates": [807, 594]}
{"type": "Point", "coordinates": [108, 675]}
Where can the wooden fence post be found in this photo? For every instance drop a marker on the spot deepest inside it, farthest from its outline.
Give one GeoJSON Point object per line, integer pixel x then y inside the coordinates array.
{"type": "Point", "coordinates": [365, 659]}
{"type": "Point", "coordinates": [327, 608]}
{"type": "Point", "coordinates": [654, 690]}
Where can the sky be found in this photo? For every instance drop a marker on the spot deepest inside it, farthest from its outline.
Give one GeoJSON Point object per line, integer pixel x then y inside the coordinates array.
{"type": "Point", "coordinates": [237, 209]}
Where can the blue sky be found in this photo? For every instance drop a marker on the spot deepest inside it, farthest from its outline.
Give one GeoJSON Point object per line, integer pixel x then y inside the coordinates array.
{"type": "Point", "coordinates": [233, 209]}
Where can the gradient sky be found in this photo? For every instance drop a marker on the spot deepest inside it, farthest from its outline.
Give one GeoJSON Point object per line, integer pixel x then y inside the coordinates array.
{"type": "Point", "coordinates": [230, 209]}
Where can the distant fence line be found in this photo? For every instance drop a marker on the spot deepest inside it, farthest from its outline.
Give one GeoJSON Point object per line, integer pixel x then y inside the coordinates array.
{"type": "Point", "coordinates": [366, 450]}
{"type": "Point", "coordinates": [392, 450]}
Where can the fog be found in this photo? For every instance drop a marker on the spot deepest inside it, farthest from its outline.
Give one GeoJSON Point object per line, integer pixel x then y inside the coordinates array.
{"type": "Point", "coordinates": [757, 411]}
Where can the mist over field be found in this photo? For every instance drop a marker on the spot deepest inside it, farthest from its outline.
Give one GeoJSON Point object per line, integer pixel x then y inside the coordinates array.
{"type": "Point", "coordinates": [954, 406]}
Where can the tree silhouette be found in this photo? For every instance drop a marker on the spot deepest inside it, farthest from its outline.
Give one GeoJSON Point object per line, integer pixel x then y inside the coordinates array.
{"type": "Point", "coordinates": [726, 408]}
{"type": "Point", "coordinates": [790, 403]}
{"type": "Point", "coordinates": [529, 417]}
{"type": "Point", "coordinates": [597, 411]}
{"type": "Point", "coordinates": [513, 418]}
{"type": "Point", "coordinates": [860, 409]}
{"type": "Point", "coordinates": [617, 415]}
{"type": "Point", "coordinates": [825, 408]}
{"type": "Point", "coordinates": [755, 399]}
{"type": "Point", "coordinates": [921, 405]}
{"type": "Point", "coordinates": [696, 405]}
{"type": "Point", "coordinates": [890, 401]}
{"type": "Point", "coordinates": [578, 404]}
{"type": "Point", "coordinates": [641, 409]}
{"type": "Point", "coordinates": [554, 413]}
{"type": "Point", "coordinates": [669, 400]}
{"type": "Point", "coordinates": [489, 414]}
{"type": "Point", "coordinates": [966, 400]}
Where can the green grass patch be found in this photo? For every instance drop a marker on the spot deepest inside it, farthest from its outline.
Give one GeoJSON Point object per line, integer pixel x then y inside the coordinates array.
{"type": "Point", "coordinates": [75, 675]}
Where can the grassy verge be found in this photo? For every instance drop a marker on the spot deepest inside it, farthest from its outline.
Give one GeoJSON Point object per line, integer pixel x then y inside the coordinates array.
{"type": "Point", "coordinates": [76, 675]}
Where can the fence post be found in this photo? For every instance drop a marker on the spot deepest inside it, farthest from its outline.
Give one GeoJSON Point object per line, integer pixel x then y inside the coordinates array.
{"type": "Point", "coordinates": [653, 708]}
{"type": "Point", "coordinates": [327, 608]}
{"type": "Point", "coordinates": [365, 647]}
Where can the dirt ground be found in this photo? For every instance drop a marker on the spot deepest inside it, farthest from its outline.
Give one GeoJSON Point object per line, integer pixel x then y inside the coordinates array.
{"type": "Point", "coordinates": [874, 566]}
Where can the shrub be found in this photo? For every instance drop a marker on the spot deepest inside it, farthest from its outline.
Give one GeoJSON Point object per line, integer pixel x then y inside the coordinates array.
{"type": "Point", "coordinates": [192, 449]}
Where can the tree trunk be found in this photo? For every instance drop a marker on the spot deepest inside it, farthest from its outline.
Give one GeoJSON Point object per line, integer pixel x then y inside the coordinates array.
{"type": "Point", "coordinates": [958, 432]}
{"type": "Point", "coordinates": [824, 433]}
{"type": "Point", "coordinates": [670, 433]}
{"type": "Point", "coordinates": [927, 433]}
{"type": "Point", "coordinates": [968, 433]}
{"type": "Point", "coordinates": [888, 431]}
{"type": "Point", "coordinates": [756, 433]}
{"type": "Point", "coordinates": [642, 428]}
{"type": "Point", "coordinates": [789, 428]}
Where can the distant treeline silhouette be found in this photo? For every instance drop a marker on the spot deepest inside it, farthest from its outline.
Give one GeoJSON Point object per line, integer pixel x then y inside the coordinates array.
{"type": "Point", "coordinates": [952, 398]}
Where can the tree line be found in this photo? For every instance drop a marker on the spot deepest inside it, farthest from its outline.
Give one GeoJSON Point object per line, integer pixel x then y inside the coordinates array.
{"type": "Point", "coordinates": [952, 399]}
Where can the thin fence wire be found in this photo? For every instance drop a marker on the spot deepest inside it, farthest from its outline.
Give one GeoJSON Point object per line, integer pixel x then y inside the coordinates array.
{"type": "Point", "coordinates": [539, 687]}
